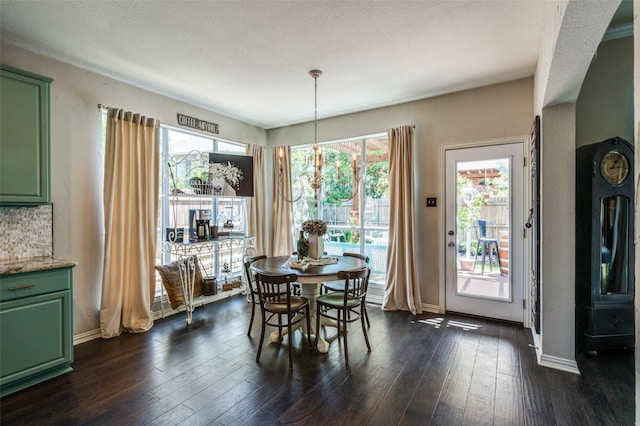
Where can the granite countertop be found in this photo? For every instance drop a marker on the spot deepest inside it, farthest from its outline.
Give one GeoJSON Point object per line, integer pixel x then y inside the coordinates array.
{"type": "Point", "coordinates": [32, 264]}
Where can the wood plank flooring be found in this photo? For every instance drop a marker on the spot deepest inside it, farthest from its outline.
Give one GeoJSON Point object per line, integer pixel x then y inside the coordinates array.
{"type": "Point", "coordinates": [426, 370]}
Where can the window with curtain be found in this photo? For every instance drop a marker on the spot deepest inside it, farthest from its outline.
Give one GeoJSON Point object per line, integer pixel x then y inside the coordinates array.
{"type": "Point", "coordinates": [183, 156]}
{"type": "Point", "coordinates": [360, 224]}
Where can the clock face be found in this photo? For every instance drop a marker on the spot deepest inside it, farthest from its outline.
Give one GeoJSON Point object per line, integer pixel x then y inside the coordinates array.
{"type": "Point", "coordinates": [614, 167]}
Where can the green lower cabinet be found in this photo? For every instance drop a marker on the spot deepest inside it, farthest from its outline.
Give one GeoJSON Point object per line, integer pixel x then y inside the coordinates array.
{"type": "Point", "coordinates": [36, 333]}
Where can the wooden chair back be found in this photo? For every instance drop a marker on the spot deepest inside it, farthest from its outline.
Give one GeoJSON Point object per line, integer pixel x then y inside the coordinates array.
{"type": "Point", "coordinates": [274, 288]}
{"type": "Point", "coordinates": [249, 273]}
{"type": "Point", "coordinates": [356, 282]}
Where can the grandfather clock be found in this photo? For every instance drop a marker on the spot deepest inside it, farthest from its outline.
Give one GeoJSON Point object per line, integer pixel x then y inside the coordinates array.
{"type": "Point", "coordinates": [604, 246]}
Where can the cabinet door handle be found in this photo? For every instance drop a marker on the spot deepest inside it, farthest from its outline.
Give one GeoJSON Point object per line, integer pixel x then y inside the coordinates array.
{"type": "Point", "coordinates": [20, 287]}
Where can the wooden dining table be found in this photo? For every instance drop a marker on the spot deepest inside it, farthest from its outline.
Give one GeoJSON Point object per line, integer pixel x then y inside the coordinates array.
{"type": "Point", "coordinates": [309, 279]}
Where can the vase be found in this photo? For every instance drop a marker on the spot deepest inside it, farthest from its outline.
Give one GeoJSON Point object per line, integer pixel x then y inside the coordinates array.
{"type": "Point", "coordinates": [302, 246]}
{"type": "Point", "coordinates": [316, 246]}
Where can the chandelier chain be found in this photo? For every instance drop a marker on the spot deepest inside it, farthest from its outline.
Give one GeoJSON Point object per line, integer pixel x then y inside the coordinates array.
{"type": "Point", "coordinates": [316, 180]}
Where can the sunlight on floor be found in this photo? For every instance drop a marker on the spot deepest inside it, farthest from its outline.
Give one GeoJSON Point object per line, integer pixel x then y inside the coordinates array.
{"type": "Point", "coordinates": [437, 322]}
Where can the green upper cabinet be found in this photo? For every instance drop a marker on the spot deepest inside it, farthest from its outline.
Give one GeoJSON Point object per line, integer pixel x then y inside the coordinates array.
{"type": "Point", "coordinates": [24, 138]}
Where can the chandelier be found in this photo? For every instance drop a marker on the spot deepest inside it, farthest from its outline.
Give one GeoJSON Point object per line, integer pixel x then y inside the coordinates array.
{"type": "Point", "coordinates": [315, 177]}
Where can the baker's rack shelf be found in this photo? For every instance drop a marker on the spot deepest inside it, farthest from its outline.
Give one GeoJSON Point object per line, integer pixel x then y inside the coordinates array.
{"type": "Point", "coordinates": [218, 254]}
{"type": "Point", "coordinates": [203, 247]}
{"type": "Point", "coordinates": [208, 253]}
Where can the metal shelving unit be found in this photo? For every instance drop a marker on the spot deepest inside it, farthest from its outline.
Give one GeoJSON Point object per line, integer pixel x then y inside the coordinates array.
{"type": "Point", "coordinates": [218, 254]}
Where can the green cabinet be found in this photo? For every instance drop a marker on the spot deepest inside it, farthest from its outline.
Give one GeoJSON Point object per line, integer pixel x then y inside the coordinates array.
{"type": "Point", "coordinates": [36, 330]}
{"type": "Point", "coordinates": [24, 138]}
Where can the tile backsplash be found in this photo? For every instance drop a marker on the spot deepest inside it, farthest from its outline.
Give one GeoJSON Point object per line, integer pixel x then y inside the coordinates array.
{"type": "Point", "coordinates": [26, 232]}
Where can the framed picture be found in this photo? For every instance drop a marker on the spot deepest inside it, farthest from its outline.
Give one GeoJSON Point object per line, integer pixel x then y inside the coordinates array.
{"type": "Point", "coordinates": [231, 175]}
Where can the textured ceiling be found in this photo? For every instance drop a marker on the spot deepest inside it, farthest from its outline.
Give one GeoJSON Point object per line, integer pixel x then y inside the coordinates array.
{"type": "Point", "coordinates": [250, 59]}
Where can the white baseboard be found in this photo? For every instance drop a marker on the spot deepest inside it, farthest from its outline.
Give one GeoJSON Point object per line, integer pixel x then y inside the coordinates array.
{"type": "Point", "coordinates": [86, 336]}
{"type": "Point", "coordinates": [377, 300]}
{"type": "Point", "coordinates": [557, 363]}
{"type": "Point", "coordinates": [434, 309]}
{"type": "Point", "coordinates": [550, 361]}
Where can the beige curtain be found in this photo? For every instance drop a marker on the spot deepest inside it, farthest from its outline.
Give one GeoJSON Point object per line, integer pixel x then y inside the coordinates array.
{"type": "Point", "coordinates": [131, 182]}
{"type": "Point", "coordinates": [257, 205]}
{"type": "Point", "coordinates": [282, 223]}
{"type": "Point", "coordinates": [402, 287]}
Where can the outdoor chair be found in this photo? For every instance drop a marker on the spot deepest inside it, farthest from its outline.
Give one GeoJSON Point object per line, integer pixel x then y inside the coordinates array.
{"type": "Point", "coordinates": [486, 244]}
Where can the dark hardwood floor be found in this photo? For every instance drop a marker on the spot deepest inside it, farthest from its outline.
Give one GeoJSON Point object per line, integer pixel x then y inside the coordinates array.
{"type": "Point", "coordinates": [425, 370]}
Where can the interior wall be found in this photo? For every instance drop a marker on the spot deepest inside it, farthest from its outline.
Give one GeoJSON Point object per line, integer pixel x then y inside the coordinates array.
{"type": "Point", "coordinates": [557, 184]}
{"type": "Point", "coordinates": [77, 163]}
{"type": "Point", "coordinates": [604, 108]}
{"type": "Point", "coordinates": [491, 112]}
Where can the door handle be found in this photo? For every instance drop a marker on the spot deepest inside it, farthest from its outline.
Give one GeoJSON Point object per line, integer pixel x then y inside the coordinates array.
{"type": "Point", "coordinates": [451, 244]}
{"type": "Point", "coordinates": [450, 232]}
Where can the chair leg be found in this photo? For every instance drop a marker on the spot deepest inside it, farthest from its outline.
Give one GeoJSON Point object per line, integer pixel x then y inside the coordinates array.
{"type": "Point", "coordinates": [487, 245]}
{"type": "Point", "coordinates": [346, 349]}
{"type": "Point", "coordinates": [261, 338]}
{"type": "Point", "coordinates": [484, 253]}
{"type": "Point", "coordinates": [363, 313]}
{"type": "Point", "coordinates": [366, 315]}
{"type": "Point", "coordinates": [253, 311]}
{"type": "Point", "coordinates": [289, 317]}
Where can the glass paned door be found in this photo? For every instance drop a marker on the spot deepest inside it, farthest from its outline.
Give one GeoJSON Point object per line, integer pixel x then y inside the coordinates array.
{"type": "Point", "coordinates": [484, 254]}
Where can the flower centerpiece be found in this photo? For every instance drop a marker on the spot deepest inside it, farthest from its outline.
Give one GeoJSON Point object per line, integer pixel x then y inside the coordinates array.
{"type": "Point", "coordinates": [315, 229]}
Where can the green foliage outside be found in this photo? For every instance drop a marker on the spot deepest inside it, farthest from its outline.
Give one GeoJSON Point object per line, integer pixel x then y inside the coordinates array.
{"type": "Point", "coordinates": [469, 212]}
{"type": "Point", "coordinates": [335, 188]}
{"type": "Point", "coordinates": [377, 179]}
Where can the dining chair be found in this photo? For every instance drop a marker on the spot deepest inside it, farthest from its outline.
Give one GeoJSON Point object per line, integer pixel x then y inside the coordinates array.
{"type": "Point", "coordinates": [349, 305]}
{"type": "Point", "coordinates": [276, 304]}
{"type": "Point", "coordinates": [253, 291]}
{"type": "Point", "coordinates": [339, 285]}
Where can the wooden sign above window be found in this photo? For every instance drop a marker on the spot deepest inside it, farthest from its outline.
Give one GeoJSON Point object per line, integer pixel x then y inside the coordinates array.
{"type": "Point", "coordinates": [196, 123]}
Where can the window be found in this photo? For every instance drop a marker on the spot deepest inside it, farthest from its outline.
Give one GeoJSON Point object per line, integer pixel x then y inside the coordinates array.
{"type": "Point", "coordinates": [184, 157]}
{"type": "Point", "coordinates": [360, 224]}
